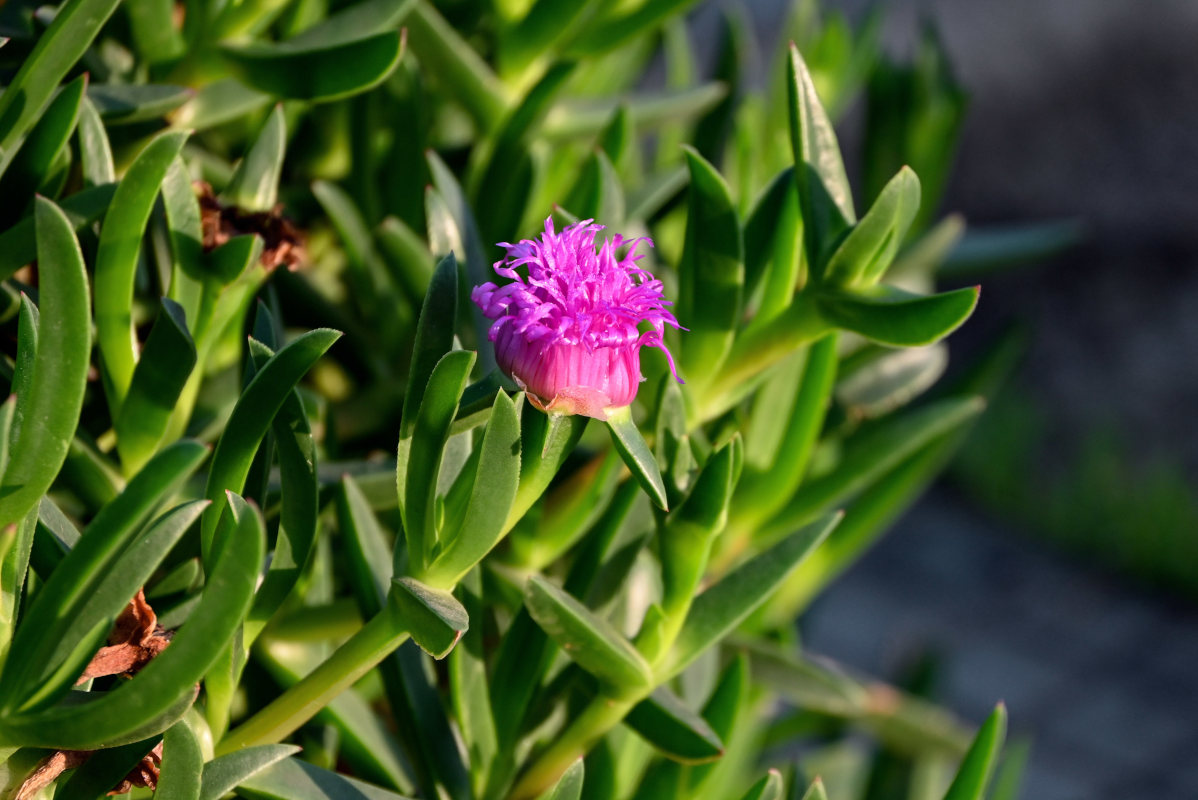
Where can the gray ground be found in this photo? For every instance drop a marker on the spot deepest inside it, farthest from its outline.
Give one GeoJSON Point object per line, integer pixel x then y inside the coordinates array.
{"type": "Point", "coordinates": [1101, 676]}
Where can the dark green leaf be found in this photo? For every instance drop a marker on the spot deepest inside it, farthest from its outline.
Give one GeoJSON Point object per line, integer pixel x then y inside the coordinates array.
{"type": "Point", "coordinates": [56, 51]}
{"type": "Point", "coordinates": [222, 775]}
{"type": "Point", "coordinates": [353, 22]}
{"type": "Point", "coordinates": [435, 618]}
{"type": "Point", "coordinates": [59, 369]}
{"type": "Point", "coordinates": [721, 608]}
{"type": "Point", "coordinates": [434, 337]}
{"type": "Point", "coordinates": [252, 416]}
{"type": "Point", "coordinates": [825, 198]}
{"type": "Point", "coordinates": [320, 72]}
{"type": "Point", "coordinates": [255, 183]}
{"type": "Point", "coordinates": [636, 454]}
{"type": "Point", "coordinates": [761, 227]}
{"type": "Point", "coordinates": [116, 260]}
{"type": "Point", "coordinates": [33, 164]}
{"type": "Point", "coordinates": [664, 721]}
{"type": "Point", "coordinates": [891, 317]}
{"type": "Point", "coordinates": [590, 641]}
{"type": "Point", "coordinates": [126, 103]}
{"type": "Point", "coordinates": [292, 779]}
{"type": "Point", "coordinates": [166, 363]}
{"type": "Point", "coordinates": [14, 565]}
{"type": "Point", "coordinates": [977, 766]}
{"type": "Point", "coordinates": [18, 244]}
{"type": "Point", "coordinates": [103, 770]}
{"type": "Point", "coordinates": [182, 764]}
{"type": "Point", "coordinates": [711, 273]}
{"type": "Point", "coordinates": [768, 788]}
{"type": "Point", "coordinates": [164, 688]}
{"type": "Point", "coordinates": [614, 31]}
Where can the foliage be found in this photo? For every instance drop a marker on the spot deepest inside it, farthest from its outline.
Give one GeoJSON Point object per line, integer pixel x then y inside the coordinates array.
{"type": "Point", "coordinates": [366, 541]}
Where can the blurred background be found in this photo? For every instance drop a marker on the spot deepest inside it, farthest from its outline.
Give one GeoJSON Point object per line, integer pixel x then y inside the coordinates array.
{"type": "Point", "coordinates": [1056, 566]}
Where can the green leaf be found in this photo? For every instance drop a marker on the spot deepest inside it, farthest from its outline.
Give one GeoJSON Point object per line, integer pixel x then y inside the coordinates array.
{"type": "Point", "coordinates": [116, 260]}
{"type": "Point", "coordinates": [729, 699]}
{"type": "Point", "coordinates": [768, 788]}
{"type": "Point", "coordinates": [252, 416]}
{"type": "Point", "coordinates": [636, 454]}
{"type": "Point", "coordinates": [15, 550]}
{"type": "Point", "coordinates": [407, 255]}
{"type": "Point", "coordinates": [721, 608]}
{"type": "Point", "coordinates": [825, 197]}
{"type": "Point", "coordinates": [569, 785]}
{"type": "Point", "coordinates": [33, 164]}
{"type": "Point", "coordinates": [353, 22]}
{"type": "Point", "coordinates": [165, 687]}
{"type": "Point", "coordinates": [103, 770]}
{"type": "Point", "coordinates": [434, 337]}
{"type": "Point", "coordinates": [18, 244]}
{"type": "Point", "coordinates": [442, 52]}
{"type": "Point", "coordinates": [892, 317]}
{"type": "Point", "coordinates": [299, 513]}
{"type": "Point", "coordinates": [590, 641]}
{"type": "Point", "coordinates": [435, 618]}
{"type": "Point", "coordinates": [70, 586]}
{"type": "Point", "coordinates": [166, 363]}
{"type": "Point", "coordinates": [573, 118]}
{"type": "Point", "coordinates": [546, 440]}
{"type": "Point", "coordinates": [95, 153]}
{"type": "Point", "coordinates": [871, 245]}
{"type": "Point", "coordinates": [664, 721]}
{"type": "Point", "coordinates": [815, 791]}
{"type": "Point", "coordinates": [469, 689]}
{"type": "Point", "coordinates": [127, 103]}
{"type": "Point", "coordinates": [420, 457]}
{"type": "Point", "coordinates": [152, 23]}
{"type": "Point", "coordinates": [218, 102]}
{"type": "Point", "coordinates": [222, 775]}
{"type": "Point", "coordinates": [320, 72]}
{"type": "Point", "coordinates": [59, 368]}
{"type": "Point", "coordinates": [598, 194]}
{"type": "Point", "coordinates": [140, 558]}
{"type": "Point", "coordinates": [534, 37]}
{"type": "Point", "coordinates": [711, 274]}
{"type": "Point", "coordinates": [255, 183]}
{"type": "Point", "coordinates": [978, 765]}
{"type": "Point", "coordinates": [182, 764]}
{"type": "Point", "coordinates": [772, 223]}
{"type": "Point", "coordinates": [495, 482]}
{"type": "Point", "coordinates": [611, 32]}
{"type": "Point", "coordinates": [56, 51]}
{"type": "Point", "coordinates": [877, 380]}
{"type": "Point", "coordinates": [292, 779]}
{"type": "Point", "coordinates": [869, 455]}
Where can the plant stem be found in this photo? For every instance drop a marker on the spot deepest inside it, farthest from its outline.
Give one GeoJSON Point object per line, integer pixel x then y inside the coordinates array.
{"type": "Point", "coordinates": [360, 654]}
{"type": "Point", "coordinates": [598, 718]}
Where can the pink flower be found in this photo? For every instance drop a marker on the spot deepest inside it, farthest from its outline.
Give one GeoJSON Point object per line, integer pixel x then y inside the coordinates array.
{"type": "Point", "coordinates": [569, 333]}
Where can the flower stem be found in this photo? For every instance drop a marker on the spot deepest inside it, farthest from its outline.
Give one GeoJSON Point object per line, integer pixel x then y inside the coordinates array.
{"type": "Point", "coordinates": [360, 654]}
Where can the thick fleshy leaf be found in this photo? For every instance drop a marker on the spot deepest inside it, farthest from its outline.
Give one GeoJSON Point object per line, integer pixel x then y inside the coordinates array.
{"type": "Point", "coordinates": [871, 245]}
{"type": "Point", "coordinates": [589, 640]}
{"type": "Point", "coordinates": [95, 153]}
{"type": "Point", "coordinates": [255, 183]}
{"type": "Point", "coordinates": [127, 103]}
{"type": "Point", "coordinates": [252, 416]}
{"type": "Point", "coordinates": [816, 791]}
{"type": "Point", "coordinates": [469, 688]}
{"type": "Point", "coordinates": [116, 260]}
{"type": "Point", "coordinates": [164, 688]}
{"type": "Point", "coordinates": [569, 785]}
{"type": "Point", "coordinates": [217, 103]}
{"type": "Point", "coordinates": [33, 164]}
{"type": "Point", "coordinates": [320, 72]}
{"type": "Point", "coordinates": [768, 788]}
{"type": "Point", "coordinates": [18, 244]}
{"type": "Point", "coordinates": [59, 369]}
{"type": "Point", "coordinates": [110, 595]}
{"type": "Point", "coordinates": [495, 482]}
{"type": "Point", "coordinates": [222, 775]}
{"type": "Point", "coordinates": [892, 317]}
{"type": "Point", "coordinates": [616, 30]}
{"type": "Point", "coordinates": [292, 779]}
{"type": "Point", "coordinates": [825, 197]}
{"type": "Point", "coordinates": [56, 51]}
{"type": "Point", "coordinates": [419, 461]}
{"type": "Point", "coordinates": [442, 52]}
{"type": "Point", "coordinates": [711, 274]}
{"type": "Point", "coordinates": [434, 337]}
{"type": "Point", "coordinates": [69, 588]}
{"type": "Point", "coordinates": [573, 118]}
{"type": "Point", "coordinates": [877, 380]}
{"type": "Point", "coordinates": [722, 607]}
{"type": "Point", "coordinates": [637, 456]}
{"type": "Point", "coordinates": [14, 565]}
{"type": "Point", "coordinates": [353, 22]}
{"type": "Point", "coordinates": [103, 770]}
{"type": "Point", "coordinates": [871, 454]}
{"type": "Point", "coordinates": [973, 776]}
{"type": "Point", "coordinates": [435, 618]}
{"type": "Point", "coordinates": [407, 255]}
{"type": "Point", "coordinates": [166, 363]}
{"type": "Point", "coordinates": [664, 721]}
{"type": "Point", "coordinates": [598, 193]}
{"type": "Point", "coordinates": [182, 763]}
{"type": "Point", "coordinates": [152, 23]}
{"type": "Point", "coordinates": [727, 702]}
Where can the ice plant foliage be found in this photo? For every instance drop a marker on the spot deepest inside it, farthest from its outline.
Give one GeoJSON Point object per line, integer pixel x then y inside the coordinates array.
{"type": "Point", "coordinates": [570, 332]}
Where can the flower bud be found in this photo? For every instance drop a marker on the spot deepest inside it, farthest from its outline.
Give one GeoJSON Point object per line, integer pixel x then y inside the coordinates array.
{"type": "Point", "coordinates": [569, 332]}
